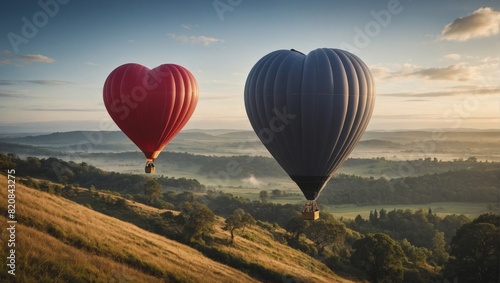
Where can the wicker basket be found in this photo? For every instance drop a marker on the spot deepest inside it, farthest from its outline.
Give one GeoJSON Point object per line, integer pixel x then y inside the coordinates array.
{"type": "Point", "coordinates": [310, 215]}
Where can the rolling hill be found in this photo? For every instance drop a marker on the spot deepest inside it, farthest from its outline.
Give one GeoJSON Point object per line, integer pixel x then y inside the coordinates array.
{"type": "Point", "coordinates": [58, 240]}
{"type": "Point", "coordinates": [400, 145]}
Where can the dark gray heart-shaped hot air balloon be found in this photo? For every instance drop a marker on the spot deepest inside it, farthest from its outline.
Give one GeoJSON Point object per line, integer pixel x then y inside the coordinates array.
{"type": "Point", "coordinates": [310, 110]}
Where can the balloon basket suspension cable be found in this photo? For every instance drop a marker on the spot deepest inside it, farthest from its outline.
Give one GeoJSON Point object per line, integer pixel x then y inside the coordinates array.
{"type": "Point", "coordinates": [310, 211]}
{"type": "Point", "coordinates": [150, 166]}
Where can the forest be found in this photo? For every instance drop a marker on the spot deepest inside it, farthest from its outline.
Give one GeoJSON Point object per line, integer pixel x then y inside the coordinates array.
{"type": "Point", "coordinates": [415, 246]}
{"type": "Point", "coordinates": [452, 181]}
{"type": "Point", "coordinates": [466, 185]}
{"type": "Point", "coordinates": [85, 175]}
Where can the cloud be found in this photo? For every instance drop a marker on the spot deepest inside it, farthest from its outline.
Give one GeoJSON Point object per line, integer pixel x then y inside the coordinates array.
{"type": "Point", "coordinates": [90, 63]}
{"type": "Point", "coordinates": [63, 110]}
{"type": "Point", "coordinates": [7, 95]}
{"type": "Point", "coordinates": [36, 58]}
{"type": "Point", "coordinates": [49, 82]}
{"type": "Point", "coordinates": [10, 58]}
{"type": "Point", "coordinates": [453, 91]}
{"type": "Point", "coordinates": [198, 40]}
{"type": "Point", "coordinates": [449, 73]}
{"type": "Point", "coordinates": [452, 56]}
{"type": "Point", "coordinates": [483, 22]}
{"type": "Point", "coordinates": [238, 74]}
{"type": "Point", "coordinates": [455, 72]}
{"type": "Point", "coordinates": [400, 116]}
{"type": "Point", "coordinates": [217, 97]}
{"type": "Point", "coordinates": [490, 59]}
{"type": "Point", "coordinates": [189, 26]}
{"type": "Point", "coordinates": [380, 73]}
{"type": "Point", "coordinates": [35, 82]}
{"type": "Point", "coordinates": [15, 94]}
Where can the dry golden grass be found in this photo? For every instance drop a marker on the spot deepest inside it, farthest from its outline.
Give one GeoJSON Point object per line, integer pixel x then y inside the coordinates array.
{"type": "Point", "coordinates": [65, 236]}
{"type": "Point", "coordinates": [146, 209]}
{"type": "Point", "coordinates": [41, 257]}
{"type": "Point", "coordinates": [68, 240]}
{"type": "Point", "coordinates": [262, 249]}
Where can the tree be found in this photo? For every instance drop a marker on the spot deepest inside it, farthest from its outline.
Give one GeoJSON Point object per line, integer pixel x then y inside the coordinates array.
{"type": "Point", "coordinates": [264, 196]}
{"type": "Point", "coordinates": [359, 220]}
{"type": "Point", "coordinates": [472, 159]}
{"type": "Point", "coordinates": [296, 226]}
{"type": "Point", "coordinates": [382, 214]}
{"type": "Point", "coordinates": [185, 197]}
{"type": "Point", "coordinates": [373, 217]}
{"type": "Point", "coordinates": [152, 190]}
{"type": "Point", "coordinates": [416, 255]}
{"type": "Point", "coordinates": [121, 203]}
{"type": "Point", "coordinates": [380, 257]}
{"type": "Point", "coordinates": [450, 224]}
{"type": "Point", "coordinates": [324, 233]}
{"type": "Point", "coordinates": [277, 193]}
{"type": "Point", "coordinates": [248, 221]}
{"type": "Point", "coordinates": [197, 221]}
{"type": "Point", "coordinates": [474, 251]}
{"type": "Point", "coordinates": [438, 246]}
{"type": "Point", "coordinates": [33, 164]}
{"type": "Point", "coordinates": [238, 220]}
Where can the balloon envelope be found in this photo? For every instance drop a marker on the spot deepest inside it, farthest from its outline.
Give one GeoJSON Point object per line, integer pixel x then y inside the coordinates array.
{"type": "Point", "coordinates": [150, 106]}
{"type": "Point", "coordinates": [309, 111]}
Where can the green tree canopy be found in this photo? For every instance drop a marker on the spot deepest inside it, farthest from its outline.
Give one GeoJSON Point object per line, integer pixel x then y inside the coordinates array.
{"type": "Point", "coordinates": [197, 221]}
{"type": "Point", "coordinates": [326, 232]}
{"type": "Point", "coordinates": [238, 220]}
{"type": "Point", "coordinates": [277, 193]}
{"type": "Point", "coordinates": [264, 196]}
{"type": "Point", "coordinates": [152, 190]}
{"type": "Point", "coordinates": [475, 251]}
{"type": "Point", "coordinates": [380, 257]}
{"type": "Point", "coordinates": [296, 226]}
{"type": "Point", "coordinates": [439, 248]}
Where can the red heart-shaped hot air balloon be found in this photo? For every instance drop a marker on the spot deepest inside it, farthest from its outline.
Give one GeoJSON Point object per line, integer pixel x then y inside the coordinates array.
{"type": "Point", "coordinates": [150, 106]}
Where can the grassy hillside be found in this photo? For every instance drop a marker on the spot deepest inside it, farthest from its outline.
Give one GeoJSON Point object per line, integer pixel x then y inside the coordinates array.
{"type": "Point", "coordinates": [62, 241]}
{"type": "Point", "coordinates": [67, 242]}
{"type": "Point", "coordinates": [257, 247]}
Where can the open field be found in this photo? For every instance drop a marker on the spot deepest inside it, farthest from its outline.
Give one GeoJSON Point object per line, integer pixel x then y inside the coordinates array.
{"type": "Point", "coordinates": [440, 208]}
{"type": "Point", "coordinates": [350, 211]}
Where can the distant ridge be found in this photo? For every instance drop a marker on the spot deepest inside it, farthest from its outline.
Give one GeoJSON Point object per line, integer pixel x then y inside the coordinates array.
{"type": "Point", "coordinates": [73, 137]}
{"type": "Point", "coordinates": [445, 145]}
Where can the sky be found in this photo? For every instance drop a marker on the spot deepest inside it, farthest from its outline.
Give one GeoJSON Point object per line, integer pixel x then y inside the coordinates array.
{"type": "Point", "coordinates": [435, 63]}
